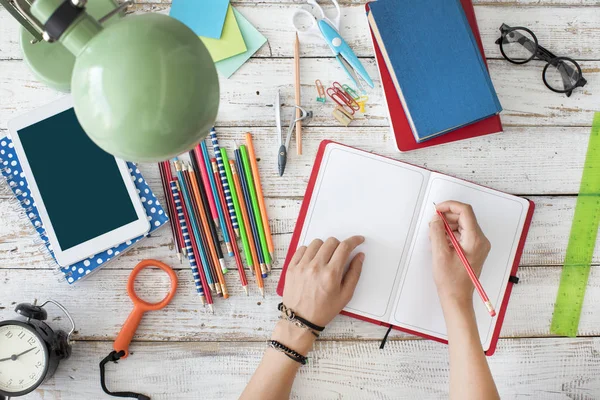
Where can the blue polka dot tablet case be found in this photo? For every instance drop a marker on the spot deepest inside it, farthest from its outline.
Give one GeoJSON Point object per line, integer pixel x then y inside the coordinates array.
{"type": "Point", "coordinates": [11, 169]}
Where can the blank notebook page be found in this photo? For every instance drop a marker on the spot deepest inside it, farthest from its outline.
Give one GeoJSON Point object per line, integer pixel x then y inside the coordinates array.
{"type": "Point", "coordinates": [501, 217]}
{"type": "Point", "coordinates": [357, 193]}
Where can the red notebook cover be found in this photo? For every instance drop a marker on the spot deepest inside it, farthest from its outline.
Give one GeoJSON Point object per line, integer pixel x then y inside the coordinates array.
{"type": "Point", "coordinates": [300, 223]}
{"type": "Point", "coordinates": [405, 141]}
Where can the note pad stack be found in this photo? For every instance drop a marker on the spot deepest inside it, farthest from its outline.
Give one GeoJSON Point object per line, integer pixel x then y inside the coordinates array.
{"type": "Point", "coordinates": [353, 192]}
{"type": "Point", "coordinates": [435, 64]}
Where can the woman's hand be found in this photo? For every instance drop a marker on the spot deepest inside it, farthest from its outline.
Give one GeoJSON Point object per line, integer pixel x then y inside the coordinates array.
{"type": "Point", "coordinates": [452, 281]}
{"type": "Point", "coordinates": [317, 286]}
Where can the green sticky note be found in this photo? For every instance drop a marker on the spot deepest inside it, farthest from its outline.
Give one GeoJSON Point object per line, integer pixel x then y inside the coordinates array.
{"type": "Point", "coordinates": [231, 42]}
{"type": "Point", "coordinates": [254, 41]}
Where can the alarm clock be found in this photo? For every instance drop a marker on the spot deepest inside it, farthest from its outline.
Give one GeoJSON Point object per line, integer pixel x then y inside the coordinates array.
{"type": "Point", "coordinates": [30, 350]}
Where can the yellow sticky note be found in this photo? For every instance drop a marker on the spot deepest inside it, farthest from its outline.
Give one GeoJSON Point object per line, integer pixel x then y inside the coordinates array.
{"type": "Point", "coordinates": [231, 42]}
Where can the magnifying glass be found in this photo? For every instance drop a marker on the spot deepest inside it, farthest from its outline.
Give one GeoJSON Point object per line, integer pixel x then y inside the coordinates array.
{"type": "Point", "coordinates": [140, 307]}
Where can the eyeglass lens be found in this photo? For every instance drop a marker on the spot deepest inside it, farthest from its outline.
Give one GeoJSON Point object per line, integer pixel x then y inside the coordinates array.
{"type": "Point", "coordinates": [562, 74]}
{"type": "Point", "coordinates": [519, 45]}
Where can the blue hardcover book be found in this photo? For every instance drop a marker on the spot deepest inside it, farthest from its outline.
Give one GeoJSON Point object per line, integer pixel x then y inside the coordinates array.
{"type": "Point", "coordinates": [11, 169]}
{"type": "Point", "coordinates": [436, 66]}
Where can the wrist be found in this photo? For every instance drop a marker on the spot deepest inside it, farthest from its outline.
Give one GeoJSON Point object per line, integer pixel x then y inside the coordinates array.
{"type": "Point", "coordinates": [452, 304]}
{"type": "Point", "coordinates": [294, 337]}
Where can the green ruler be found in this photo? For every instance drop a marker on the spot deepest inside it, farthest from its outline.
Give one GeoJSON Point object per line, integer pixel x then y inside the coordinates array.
{"type": "Point", "coordinates": [582, 240]}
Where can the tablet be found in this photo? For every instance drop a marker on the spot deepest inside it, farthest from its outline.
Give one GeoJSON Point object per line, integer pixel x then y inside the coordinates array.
{"type": "Point", "coordinates": [86, 198]}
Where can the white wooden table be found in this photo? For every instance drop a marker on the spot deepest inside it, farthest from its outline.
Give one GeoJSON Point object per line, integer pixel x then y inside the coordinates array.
{"type": "Point", "coordinates": [184, 353]}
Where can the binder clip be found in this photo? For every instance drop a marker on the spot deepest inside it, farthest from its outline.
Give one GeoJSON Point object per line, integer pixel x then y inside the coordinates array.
{"type": "Point", "coordinates": [343, 116]}
{"type": "Point", "coordinates": [320, 91]}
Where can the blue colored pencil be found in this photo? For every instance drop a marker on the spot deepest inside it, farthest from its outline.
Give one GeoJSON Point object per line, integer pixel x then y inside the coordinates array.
{"type": "Point", "coordinates": [194, 223]}
{"type": "Point", "coordinates": [187, 242]}
{"type": "Point", "coordinates": [224, 182]}
{"type": "Point", "coordinates": [218, 204]}
{"type": "Point", "coordinates": [244, 184]}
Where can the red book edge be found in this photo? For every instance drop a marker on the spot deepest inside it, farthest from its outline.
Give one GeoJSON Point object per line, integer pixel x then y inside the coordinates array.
{"type": "Point", "coordinates": [300, 223]}
{"type": "Point", "coordinates": [405, 141]}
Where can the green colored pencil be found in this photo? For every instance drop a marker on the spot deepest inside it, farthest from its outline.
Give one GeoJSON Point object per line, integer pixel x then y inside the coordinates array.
{"type": "Point", "coordinates": [238, 211]}
{"type": "Point", "coordinates": [255, 207]}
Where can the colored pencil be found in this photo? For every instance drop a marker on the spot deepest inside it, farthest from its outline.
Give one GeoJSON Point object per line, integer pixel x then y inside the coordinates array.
{"type": "Point", "coordinates": [252, 192]}
{"type": "Point", "coordinates": [297, 93]}
{"type": "Point", "coordinates": [246, 221]}
{"type": "Point", "coordinates": [211, 201]}
{"type": "Point", "coordinates": [168, 178]}
{"type": "Point", "coordinates": [218, 204]}
{"type": "Point", "coordinates": [188, 244]}
{"type": "Point", "coordinates": [229, 164]}
{"type": "Point", "coordinates": [172, 213]}
{"type": "Point", "coordinates": [229, 224]}
{"type": "Point", "coordinates": [250, 211]}
{"type": "Point", "coordinates": [211, 224]}
{"type": "Point", "coordinates": [197, 242]}
{"type": "Point", "coordinates": [217, 273]}
{"type": "Point", "coordinates": [203, 214]}
{"type": "Point", "coordinates": [259, 193]}
{"type": "Point", "coordinates": [224, 183]}
{"type": "Point", "coordinates": [467, 265]}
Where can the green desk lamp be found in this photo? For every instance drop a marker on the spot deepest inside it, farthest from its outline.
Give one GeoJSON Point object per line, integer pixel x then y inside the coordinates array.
{"type": "Point", "coordinates": [144, 87]}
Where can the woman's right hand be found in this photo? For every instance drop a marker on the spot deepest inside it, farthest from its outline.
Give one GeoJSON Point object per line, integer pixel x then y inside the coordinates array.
{"type": "Point", "coordinates": [453, 283]}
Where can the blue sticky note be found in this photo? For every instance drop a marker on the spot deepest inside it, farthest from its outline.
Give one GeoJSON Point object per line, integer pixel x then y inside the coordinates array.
{"type": "Point", "coordinates": [254, 41]}
{"type": "Point", "coordinates": [204, 17]}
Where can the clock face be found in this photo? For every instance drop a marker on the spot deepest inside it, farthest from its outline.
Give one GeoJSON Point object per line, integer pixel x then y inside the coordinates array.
{"type": "Point", "coordinates": [23, 359]}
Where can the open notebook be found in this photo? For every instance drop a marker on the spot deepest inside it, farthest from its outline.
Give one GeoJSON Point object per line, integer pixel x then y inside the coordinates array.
{"type": "Point", "coordinates": [391, 203]}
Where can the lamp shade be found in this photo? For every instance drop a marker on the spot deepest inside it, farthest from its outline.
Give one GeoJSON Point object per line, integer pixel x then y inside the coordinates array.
{"type": "Point", "coordinates": [144, 88]}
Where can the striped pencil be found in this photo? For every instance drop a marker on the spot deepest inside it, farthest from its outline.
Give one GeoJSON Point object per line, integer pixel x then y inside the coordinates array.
{"type": "Point", "coordinates": [215, 270]}
{"type": "Point", "coordinates": [218, 204]}
{"type": "Point", "coordinates": [246, 221]}
{"type": "Point", "coordinates": [188, 244]}
{"type": "Point", "coordinates": [236, 252]}
{"type": "Point", "coordinates": [201, 181]}
{"type": "Point", "coordinates": [236, 204]}
{"type": "Point", "coordinates": [213, 283]}
{"type": "Point", "coordinates": [224, 182]}
{"type": "Point", "coordinates": [251, 216]}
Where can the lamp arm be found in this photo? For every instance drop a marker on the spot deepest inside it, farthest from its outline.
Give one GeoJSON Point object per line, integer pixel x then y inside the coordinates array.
{"type": "Point", "coordinates": [21, 14]}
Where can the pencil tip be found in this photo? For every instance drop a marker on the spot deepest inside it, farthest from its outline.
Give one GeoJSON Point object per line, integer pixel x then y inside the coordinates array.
{"type": "Point", "coordinates": [246, 290]}
{"type": "Point", "coordinates": [262, 292]}
{"type": "Point", "coordinates": [211, 308]}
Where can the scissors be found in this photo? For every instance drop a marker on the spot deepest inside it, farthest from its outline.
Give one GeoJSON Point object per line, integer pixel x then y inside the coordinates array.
{"type": "Point", "coordinates": [140, 307]}
{"type": "Point", "coordinates": [282, 154]}
{"type": "Point", "coordinates": [313, 22]}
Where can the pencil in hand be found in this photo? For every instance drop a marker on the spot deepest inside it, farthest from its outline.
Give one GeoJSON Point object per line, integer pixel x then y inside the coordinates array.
{"type": "Point", "coordinates": [463, 258]}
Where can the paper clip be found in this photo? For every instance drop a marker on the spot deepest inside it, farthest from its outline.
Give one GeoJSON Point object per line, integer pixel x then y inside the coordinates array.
{"type": "Point", "coordinates": [351, 92]}
{"type": "Point", "coordinates": [360, 99]}
{"type": "Point", "coordinates": [321, 91]}
{"type": "Point", "coordinates": [342, 115]}
{"type": "Point", "coordinates": [342, 98]}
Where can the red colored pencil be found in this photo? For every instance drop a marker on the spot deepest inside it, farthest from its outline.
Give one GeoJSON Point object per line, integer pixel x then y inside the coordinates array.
{"type": "Point", "coordinates": [463, 258]}
{"type": "Point", "coordinates": [202, 165]}
{"type": "Point", "coordinates": [175, 228]}
{"type": "Point", "coordinates": [236, 252]}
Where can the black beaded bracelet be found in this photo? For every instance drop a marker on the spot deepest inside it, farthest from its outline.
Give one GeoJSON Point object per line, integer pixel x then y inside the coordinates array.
{"type": "Point", "coordinates": [291, 316]}
{"type": "Point", "coordinates": [292, 354]}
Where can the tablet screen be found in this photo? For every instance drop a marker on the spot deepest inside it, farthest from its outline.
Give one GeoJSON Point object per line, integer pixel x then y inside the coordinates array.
{"type": "Point", "coordinates": [81, 185]}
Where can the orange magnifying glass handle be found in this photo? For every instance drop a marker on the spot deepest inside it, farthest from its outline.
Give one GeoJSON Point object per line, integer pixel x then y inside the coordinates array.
{"type": "Point", "coordinates": [140, 306]}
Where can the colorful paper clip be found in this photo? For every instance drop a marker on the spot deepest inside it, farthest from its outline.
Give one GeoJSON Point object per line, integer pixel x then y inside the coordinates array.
{"type": "Point", "coordinates": [360, 99]}
{"type": "Point", "coordinates": [342, 115]}
{"type": "Point", "coordinates": [342, 98]}
{"type": "Point", "coordinates": [321, 91]}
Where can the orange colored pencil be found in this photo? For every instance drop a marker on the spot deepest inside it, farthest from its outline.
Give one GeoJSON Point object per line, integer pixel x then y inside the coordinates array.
{"type": "Point", "coordinates": [245, 218]}
{"type": "Point", "coordinates": [210, 243]}
{"type": "Point", "coordinates": [259, 193]}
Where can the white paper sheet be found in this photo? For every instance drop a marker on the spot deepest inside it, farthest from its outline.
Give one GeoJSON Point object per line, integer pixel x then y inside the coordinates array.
{"type": "Point", "coordinates": [357, 193]}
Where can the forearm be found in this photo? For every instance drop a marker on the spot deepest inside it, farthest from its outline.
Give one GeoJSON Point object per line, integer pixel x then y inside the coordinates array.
{"type": "Point", "coordinates": [275, 375]}
{"type": "Point", "coordinates": [470, 376]}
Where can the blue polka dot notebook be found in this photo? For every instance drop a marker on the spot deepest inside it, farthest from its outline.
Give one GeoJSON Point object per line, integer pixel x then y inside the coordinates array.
{"type": "Point", "coordinates": [11, 170]}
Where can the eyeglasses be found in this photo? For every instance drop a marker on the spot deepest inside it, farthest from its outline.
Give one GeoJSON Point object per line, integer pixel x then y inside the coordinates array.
{"type": "Point", "coordinates": [519, 46]}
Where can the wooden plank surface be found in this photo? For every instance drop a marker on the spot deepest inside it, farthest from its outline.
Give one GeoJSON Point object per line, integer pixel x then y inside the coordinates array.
{"type": "Point", "coordinates": [247, 99]}
{"type": "Point", "coordinates": [548, 369]}
{"type": "Point", "coordinates": [250, 318]}
{"type": "Point", "coordinates": [184, 353]}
